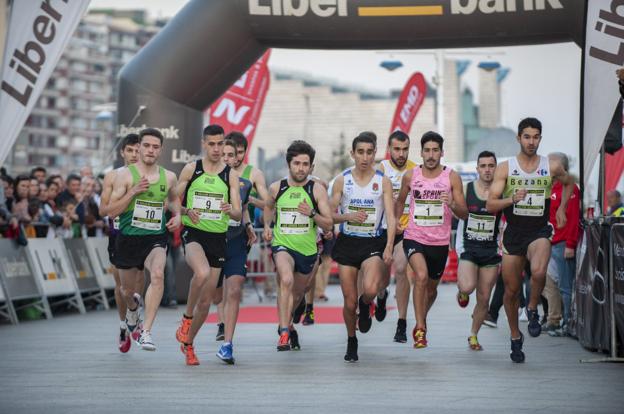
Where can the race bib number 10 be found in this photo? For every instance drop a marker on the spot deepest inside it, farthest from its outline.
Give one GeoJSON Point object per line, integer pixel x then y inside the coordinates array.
{"type": "Point", "coordinates": [148, 215]}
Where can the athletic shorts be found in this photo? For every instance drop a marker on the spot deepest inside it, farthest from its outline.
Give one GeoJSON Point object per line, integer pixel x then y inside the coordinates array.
{"type": "Point", "coordinates": [481, 257]}
{"type": "Point", "coordinates": [303, 264]}
{"type": "Point", "coordinates": [111, 248]}
{"type": "Point", "coordinates": [435, 256]}
{"type": "Point", "coordinates": [213, 244]}
{"type": "Point", "coordinates": [328, 246]}
{"type": "Point", "coordinates": [353, 251]}
{"type": "Point", "coordinates": [516, 241]}
{"type": "Point", "coordinates": [131, 251]}
{"type": "Point", "coordinates": [235, 258]}
{"type": "Point", "coordinates": [398, 238]}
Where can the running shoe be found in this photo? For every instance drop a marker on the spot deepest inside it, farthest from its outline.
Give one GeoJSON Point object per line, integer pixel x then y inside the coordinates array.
{"type": "Point", "coordinates": [380, 309]}
{"type": "Point", "coordinates": [352, 347]}
{"type": "Point", "coordinates": [146, 342]}
{"type": "Point", "coordinates": [473, 343]}
{"type": "Point", "coordinates": [182, 333]}
{"type": "Point", "coordinates": [298, 312]}
{"type": "Point", "coordinates": [555, 331]}
{"type": "Point", "coordinates": [308, 319]}
{"type": "Point", "coordinates": [401, 335]}
{"type": "Point", "coordinates": [420, 337]}
{"type": "Point", "coordinates": [534, 328]}
{"type": "Point", "coordinates": [489, 321]}
{"type": "Point", "coordinates": [294, 340]}
{"type": "Point", "coordinates": [225, 353]}
{"type": "Point", "coordinates": [132, 319]}
{"type": "Point", "coordinates": [284, 341]}
{"type": "Point", "coordinates": [124, 340]}
{"type": "Point", "coordinates": [220, 332]}
{"type": "Point", "coordinates": [189, 353]}
{"type": "Point", "coordinates": [463, 299]}
{"type": "Point", "coordinates": [136, 334]}
{"type": "Point", "coordinates": [365, 319]}
{"type": "Point", "coordinates": [516, 353]}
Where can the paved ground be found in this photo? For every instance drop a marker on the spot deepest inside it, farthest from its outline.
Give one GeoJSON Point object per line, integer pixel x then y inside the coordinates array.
{"type": "Point", "coordinates": [70, 364]}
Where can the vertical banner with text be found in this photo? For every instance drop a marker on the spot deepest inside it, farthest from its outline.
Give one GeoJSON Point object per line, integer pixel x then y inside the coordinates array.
{"type": "Point", "coordinates": [409, 104]}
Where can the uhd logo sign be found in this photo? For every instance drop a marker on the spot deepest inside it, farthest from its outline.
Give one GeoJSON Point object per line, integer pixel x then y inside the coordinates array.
{"type": "Point", "coordinates": [501, 6]}
{"type": "Point", "coordinates": [298, 8]}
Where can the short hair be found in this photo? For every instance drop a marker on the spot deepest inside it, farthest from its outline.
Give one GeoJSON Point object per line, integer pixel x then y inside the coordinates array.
{"type": "Point", "coordinates": [37, 169]}
{"type": "Point", "coordinates": [213, 129]}
{"type": "Point", "coordinates": [8, 179]}
{"type": "Point", "coordinates": [72, 177]}
{"type": "Point", "coordinates": [130, 139]}
{"type": "Point", "coordinates": [299, 147]}
{"type": "Point", "coordinates": [366, 137]}
{"type": "Point", "coordinates": [486, 154]}
{"type": "Point", "coordinates": [563, 158]}
{"type": "Point", "coordinates": [18, 180]}
{"type": "Point", "coordinates": [229, 142]}
{"type": "Point", "coordinates": [529, 123]}
{"type": "Point", "coordinates": [238, 138]}
{"type": "Point", "coordinates": [616, 193]}
{"type": "Point", "coordinates": [431, 136]}
{"type": "Point", "coordinates": [152, 132]}
{"type": "Point", "coordinates": [399, 136]}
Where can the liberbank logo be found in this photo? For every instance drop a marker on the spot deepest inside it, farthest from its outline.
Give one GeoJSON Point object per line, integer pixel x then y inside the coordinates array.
{"type": "Point", "coordinates": [338, 8]}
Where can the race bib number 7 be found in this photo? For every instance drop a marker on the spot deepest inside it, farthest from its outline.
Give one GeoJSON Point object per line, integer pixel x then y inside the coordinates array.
{"type": "Point", "coordinates": [148, 215]}
{"type": "Point", "coordinates": [428, 213]}
{"type": "Point", "coordinates": [292, 221]}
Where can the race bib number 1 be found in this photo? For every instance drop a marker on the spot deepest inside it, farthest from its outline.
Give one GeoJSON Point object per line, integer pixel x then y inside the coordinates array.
{"type": "Point", "coordinates": [532, 205]}
{"type": "Point", "coordinates": [293, 222]}
{"type": "Point", "coordinates": [208, 205]}
{"type": "Point", "coordinates": [428, 213]}
{"type": "Point", "coordinates": [148, 215]}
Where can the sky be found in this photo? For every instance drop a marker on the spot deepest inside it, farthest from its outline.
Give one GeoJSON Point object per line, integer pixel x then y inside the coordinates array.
{"type": "Point", "coordinates": [544, 80]}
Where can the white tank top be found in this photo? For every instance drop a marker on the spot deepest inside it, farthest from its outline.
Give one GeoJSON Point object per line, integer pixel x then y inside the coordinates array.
{"type": "Point", "coordinates": [396, 176]}
{"type": "Point", "coordinates": [368, 198]}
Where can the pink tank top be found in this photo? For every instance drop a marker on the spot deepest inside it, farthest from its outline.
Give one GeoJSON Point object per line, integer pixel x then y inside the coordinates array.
{"type": "Point", "coordinates": [430, 218]}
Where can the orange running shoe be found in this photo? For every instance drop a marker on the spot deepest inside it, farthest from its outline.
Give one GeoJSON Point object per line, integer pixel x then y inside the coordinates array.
{"type": "Point", "coordinates": [420, 337]}
{"type": "Point", "coordinates": [182, 333]}
{"type": "Point", "coordinates": [284, 341]}
{"type": "Point", "coordinates": [189, 353]}
{"type": "Point", "coordinates": [474, 344]}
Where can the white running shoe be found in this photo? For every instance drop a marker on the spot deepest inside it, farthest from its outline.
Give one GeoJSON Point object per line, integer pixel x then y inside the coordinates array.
{"type": "Point", "coordinates": [132, 319]}
{"type": "Point", "coordinates": [522, 316]}
{"type": "Point", "coordinates": [146, 342]}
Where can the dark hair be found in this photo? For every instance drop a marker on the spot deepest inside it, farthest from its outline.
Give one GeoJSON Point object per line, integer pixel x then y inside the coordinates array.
{"type": "Point", "coordinates": [151, 132]}
{"type": "Point", "coordinates": [50, 181]}
{"type": "Point", "coordinates": [213, 129]}
{"type": "Point", "coordinates": [616, 193]}
{"type": "Point", "coordinates": [399, 136]}
{"type": "Point", "coordinates": [365, 137]}
{"type": "Point", "coordinates": [72, 177]}
{"type": "Point", "coordinates": [486, 154]}
{"type": "Point", "coordinates": [130, 139]}
{"type": "Point", "coordinates": [37, 169]}
{"type": "Point", "coordinates": [19, 179]}
{"type": "Point", "coordinates": [238, 138]}
{"type": "Point", "coordinates": [529, 123]}
{"type": "Point", "coordinates": [299, 147]}
{"type": "Point", "coordinates": [8, 179]}
{"type": "Point", "coordinates": [229, 142]}
{"type": "Point", "coordinates": [431, 136]}
{"type": "Point", "coordinates": [33, 206]}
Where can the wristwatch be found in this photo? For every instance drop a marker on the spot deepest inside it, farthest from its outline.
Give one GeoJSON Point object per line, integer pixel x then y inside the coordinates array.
{"type": "Point", "coordinates": [312, 213]}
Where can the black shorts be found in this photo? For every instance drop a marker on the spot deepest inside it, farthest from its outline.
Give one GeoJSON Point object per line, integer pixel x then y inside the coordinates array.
{"type": "Point", "coordinates": [235, 258]}
{"type": "Point", "coordinates": [131, 251]}
{"type": "Point", "coordinates": [481, 257]}
{"type": "Point", "coordinates": [353, 251]}
{"type": "Point", "coordinates": [435, 256]}
{"type": "Point", "coordinates": [112, 238]}
{"type": "Point", "coordinates": [328, 246]}
{"type": "Point", "coordinates": [303, 264]}
{"type": "Point", "coordinates": [213, 244]}
{"type": "Point", "coordinates": [516, 241]}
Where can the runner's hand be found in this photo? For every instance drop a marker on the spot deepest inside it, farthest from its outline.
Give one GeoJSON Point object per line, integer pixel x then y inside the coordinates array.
{"type": "Point", "coordinates": [193, 215]}
{"type": "Point", "coordinates": [561, 218]}
{"type": "Point", "coordinates": [569, 253]}
{"type": "Point", "coordinates": [387, 255]}
{"type": "Point", "coordinates": [268, 234]}
{"type": "Point", "coordinates": [226, 208]}
{"type": "Point", "coordinates": [251, 236]}
{"type": "Point", "coordinates": [358, 216]}
{"type": "Point", "coordinates": [328, 235]}
{"type": "Point", "coordinates": [399, 227]}
{"type": "Point", "coordinates": [444, 197]}
{"type": "Point", "coordinates": [173, 223]}
{"type": "Point", "coordinates": [304, 208]}
{"type": "Point", "coordinates": [140, 187]}
{"type": "Point", "coordinates": [519, 195]}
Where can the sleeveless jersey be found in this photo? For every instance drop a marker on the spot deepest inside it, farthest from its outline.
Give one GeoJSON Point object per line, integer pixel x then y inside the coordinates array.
{"type": "Point", "coordinates": [234, 226]}
{"type": "Point", "coordinates": [533, 212]}
{"type": "Point", "coordinates": [369, 199]}
{"type": "Point", "coordinates": [145, 215]}
{"type": "Point", "coordinates": [481, 227]}
{"type": "Point", "coordinates": [430, 218]}
{"type": "Point", "coordinates": [205, 193]}
{"type": "Point", "coordinates": [292, 229]}
{"type": "Point", "coordinates": [395, 177]}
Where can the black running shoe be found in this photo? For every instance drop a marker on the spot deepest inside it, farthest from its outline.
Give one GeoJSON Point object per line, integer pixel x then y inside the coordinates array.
{"type": "Point", "coordinates": [220, 332]}
{"type": "Point", "coordinates": [298, 312]}
{"type": "Point", "coordinates": [308, 319]}
{"type": "Point", "coordinates": [534, 328]}
{"type": "Point", "coordinates": [516, 353]}
{"type": "Point", "coordinates": [352, 346]}
{"type": "Point", "coordinates": [401, 334]}
{"type": "Point", "coordinates": [380, 310]}
{"type": "Point", "coordinates": [364, 318]}
{"type": "Point", "coordinates": [294, 340]}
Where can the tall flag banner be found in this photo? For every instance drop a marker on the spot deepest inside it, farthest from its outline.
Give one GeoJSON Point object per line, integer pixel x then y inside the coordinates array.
{"type": "Point", "coordinates": [240, 107]}
{"type": "Point", "coordinates": [409, 104]}
{"type": "Point", "coordinates": [38, 32]}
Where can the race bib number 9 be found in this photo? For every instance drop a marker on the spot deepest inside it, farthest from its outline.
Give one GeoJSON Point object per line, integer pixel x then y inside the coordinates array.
{"type": "Point", "coordinates": [480, 227]}
{"type": "Point", "coordinates": [428, 213]}
{"type": "Point", "coordinates": [532, 205]}
{"type": "Point", "coordinates": [148, 215]}
{"type": "Point", "coordinates": [208, 205]}
{"type": "Point", "coordinates": [293, 222]}
{"type": "Point", "coordinates": [368, 226]}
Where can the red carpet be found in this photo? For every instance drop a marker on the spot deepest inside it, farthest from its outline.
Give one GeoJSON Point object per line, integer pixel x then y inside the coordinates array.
{"type": "Point", "coordinates": [268, 314]}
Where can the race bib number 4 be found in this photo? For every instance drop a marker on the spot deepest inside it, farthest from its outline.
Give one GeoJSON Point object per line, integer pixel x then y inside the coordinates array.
{"type": "Point", "coordinates": [480, 227]}
{"type": "Point", "coordinates": [148, 215]}
{"type": "Point", "coordinates": [208, 205]}
{"type": "Point", "coordinates": [428, 213]}
{"type": "Point", "coordinates": [368, 226]}
{"type": "Point", "coordinates": [293, 222]}
{"type": "Point", "coordinates": [532, 205]}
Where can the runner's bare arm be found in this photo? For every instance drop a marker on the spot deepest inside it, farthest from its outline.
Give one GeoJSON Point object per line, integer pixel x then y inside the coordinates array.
{"type": "Point", "coordinates": [257, 177]}
{"type": "Point", "coordinates": [173, 202]}
{"type": "Point", "coordinates": [403, 192]}
{"type": "Point", "coordinates": [558, 172]}
{"type": "Point", "coordinates": [107, 190]}
{"type": "Point", "coordinates": [323, 217]}
{"type": "Point", "coordinates": [235, 212]}
{"type": "Point", "coordinates": [124, 192]}
{"type": "Point", "coordinates": [391, 220]}
{"type": "Point", "coordinates": [495, 203]}
{"type": "Point", "coordinates": [269, 210]}
{"type": "Point", "coordinates": [185, 177]}
{"type": "Point", "coordinates": [458, 203]}
{"type": "Point", "coordinates": [337, 216]}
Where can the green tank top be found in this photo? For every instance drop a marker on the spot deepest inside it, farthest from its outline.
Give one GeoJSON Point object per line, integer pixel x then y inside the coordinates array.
{"type": "Point", "coordinates": [206, 192]}
{"type": "Point", "coordinates": [292, 229]}
{"type": "Point", "coordinates": [145, 215]}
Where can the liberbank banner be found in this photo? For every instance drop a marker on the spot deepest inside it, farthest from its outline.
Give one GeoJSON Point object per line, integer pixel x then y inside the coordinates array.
{"type": "Point", "coordinates": [209, 44]}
